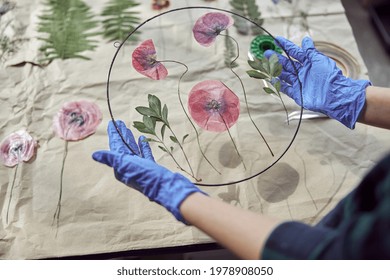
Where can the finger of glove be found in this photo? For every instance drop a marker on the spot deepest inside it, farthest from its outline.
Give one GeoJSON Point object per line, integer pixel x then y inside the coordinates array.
{"type": "Point", "coordinates": [123, 166]}
{"type": "Point", "coordinates": [146, 151]}
{"type": "Point", "coordinates": [288, 77]}
{"type": "Point", "coordinates": [289, 90]}
{"type": "Point", "coordinates": [308, 47]}
{"type": "Point", "coordinates": [105, 157]}
{"type": "Point", "coordinates": [291, 49]}
{"type": "Point", "coordinates": [116, 141]}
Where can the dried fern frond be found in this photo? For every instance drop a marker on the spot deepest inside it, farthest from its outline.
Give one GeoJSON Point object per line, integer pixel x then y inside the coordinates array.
{"type": "Point", "coordinates": [248, 9]}
{"type": "Point", "coordinates": [230, 53]}
{"type": "Point", "coordinates": [67, 25]}
{"type": "Point", "coordinates": [120, 20]}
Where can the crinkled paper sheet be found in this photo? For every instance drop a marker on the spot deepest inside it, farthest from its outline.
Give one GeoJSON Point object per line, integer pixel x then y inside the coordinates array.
{"type": "Point", "coordinates": [99, 214]}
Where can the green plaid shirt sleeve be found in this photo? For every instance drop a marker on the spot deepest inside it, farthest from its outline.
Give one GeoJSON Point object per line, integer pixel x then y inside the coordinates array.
{"type": "Point", "coordinates": [357, 228]}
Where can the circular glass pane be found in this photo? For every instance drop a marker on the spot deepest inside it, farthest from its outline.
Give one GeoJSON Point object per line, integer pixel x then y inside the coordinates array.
{"type": "Point", "coordinates": [184, 84]}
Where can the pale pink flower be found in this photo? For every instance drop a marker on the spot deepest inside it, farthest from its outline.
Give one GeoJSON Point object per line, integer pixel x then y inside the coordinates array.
{"type": "Point", "coordinates": [145, 61]}
{"type": "Point", "coordinates": [209, 26]}
{"type": "Point", "coordinates": [77, 120]}
{"type": "Point", "coordinates": [17, 147]}
{"type": "Point", "coordinates": [213, 106]}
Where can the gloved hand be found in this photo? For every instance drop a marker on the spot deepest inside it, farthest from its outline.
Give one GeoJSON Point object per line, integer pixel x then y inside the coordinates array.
{"type": "Point", "coordinates": [142, 173]}
{"type": "Point", "coordinates": [324, 88]}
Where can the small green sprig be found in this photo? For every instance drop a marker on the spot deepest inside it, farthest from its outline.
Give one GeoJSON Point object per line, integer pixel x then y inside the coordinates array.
{"type": "Point", "coordinates": [248, 9]}
{"type": "Point", "coordinates": [268, 70]}
{"type": "Point", "coordinates": [156, 113]}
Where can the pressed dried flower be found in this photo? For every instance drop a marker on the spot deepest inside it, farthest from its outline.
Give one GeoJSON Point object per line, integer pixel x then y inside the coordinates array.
{"type": "Point", "coordinates": [14, 149]}
{"type": "Point", "coordinates": [209, 26]}
{"type": "Point", "coordinates": [17, 147]}
{"type": "Point", "coordinates": [160, 4]}
{"type": "Point", "coordinates": [213, 106]}
{"type": "Point", "coordinates": [144, 59]}
{"type": "Point", "coordinates": [77, 120]}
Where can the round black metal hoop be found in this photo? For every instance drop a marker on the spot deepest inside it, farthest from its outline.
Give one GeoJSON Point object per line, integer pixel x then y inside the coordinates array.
{"type": "Point", "coordinates": [206, 8]}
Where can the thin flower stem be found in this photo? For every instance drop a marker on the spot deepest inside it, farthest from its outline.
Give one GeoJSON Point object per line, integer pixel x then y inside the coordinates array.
{"type": "Point", "coordinates": [185, 156]}
{"type": "Point", "coordinates": [12, 189]}
{"type": "Point", "coordinates": [243, 89]}
{"type": "Point", "coordinates": [284, 106]}
{"type": "Point", "coordinates": [231, 138]}
{"type": "Point", "coordinates": [167, 149]}
{"type": "Point", "coordinates": [174, 159]}
{"type": "Point", "coordinates": [56, 217]}
{"type": "Point", "coordinates": [188, 117]}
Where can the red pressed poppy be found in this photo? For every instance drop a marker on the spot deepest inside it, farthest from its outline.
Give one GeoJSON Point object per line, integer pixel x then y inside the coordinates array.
{"type": "Point", "coordinates": [208, 27]}
{"type": "Point", "coordinates": [144, 61]}
{"type": "Point", "coordinates": [213, 106]}
{"type": "Point", "coordinates": [77, 120]}
{"type": "Point", "coordinates": [17, 147]}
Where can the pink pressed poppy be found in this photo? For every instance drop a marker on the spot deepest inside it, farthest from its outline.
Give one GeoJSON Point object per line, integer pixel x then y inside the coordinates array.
{"type": "Point", "coordinates": [144, 61]}
{"type": "Point", "coordinates": [213, 106]}
{"type": "Point", "coordinates": [160, 4]}
{"type": "Point", "coordinates": [17, 147]}
{"type": "Point", "coordinates": [77, 120]}
{"type": "Point", "coordinates": [208, 27]}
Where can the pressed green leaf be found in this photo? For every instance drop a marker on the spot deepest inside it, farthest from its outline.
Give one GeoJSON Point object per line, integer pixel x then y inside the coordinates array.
{"type": "Point", "coordinates": [150, 124]}
{"type": "Point", "coordinates": [273, 59]}
{"type": "Point", "coordinates": [120, 20]}
{"type": "Point", "coordinates": [171, 149]}
{"type": "Point", "coordinates": [277, 86]}
{"type": "Point", "coordinates": [273, 63]}
{"type": "Point", "coordinates": [257, 75]}
{"type": "Point", "coordinates": [162, 148]}
{"type": "Point", "coordinates": [269, 90]}
{"type": "Point", "coordinates": [265, 64]}
{"type": "Point", "coordinates": [150, 140]}
{"type": "Point", "coordinates": [184, 138]}
{"type": "Point", "coordinates": [154, 104]}
{"type": "Point", "coordinates": [277, 70]}
{"type": "Point", "coordinates": [257, 64]}
{"type": "Point", "coordinates": [137, 124]}
{"type": "Point", "coordinates": [174, 139]}
{"type": "Point", "coordinates": [164, 126]}
{"type": "Point", "coordinates": [146, 111]}
{"type": "Point", "coordinates": [140, 126]}
{"type": "Point", "coordinates": [165, 114]}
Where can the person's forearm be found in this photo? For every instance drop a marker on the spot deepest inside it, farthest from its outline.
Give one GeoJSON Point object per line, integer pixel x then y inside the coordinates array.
{"type": "Point", "coordinates": [376, 111]}
{"type": "Point", "coordinates": [242, 232]}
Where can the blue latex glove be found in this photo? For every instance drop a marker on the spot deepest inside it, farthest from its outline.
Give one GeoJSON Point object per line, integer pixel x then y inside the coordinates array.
{"type": "Point", "coordinates": [142, 173]}
{"type": "Point", "coordinates": [325, 89]}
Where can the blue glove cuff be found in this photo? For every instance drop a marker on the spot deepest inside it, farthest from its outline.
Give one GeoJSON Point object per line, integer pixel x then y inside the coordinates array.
{"type": "Point", "coordinates": [354, 92]}
{"type": "Point", "coordinates": [177, 189]}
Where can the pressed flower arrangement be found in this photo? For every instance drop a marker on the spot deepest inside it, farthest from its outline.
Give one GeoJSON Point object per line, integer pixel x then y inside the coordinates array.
{"type": "Point", "coordinates": [74, 121]}
{"type": "Point", "coordinates": [206, 30]}
{"type": "Point", "coordinates": [144, 61]}
{"type": "Point", "coordinates": [209, 106]}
